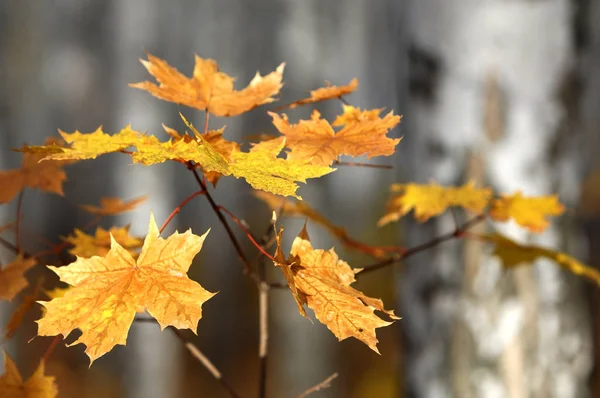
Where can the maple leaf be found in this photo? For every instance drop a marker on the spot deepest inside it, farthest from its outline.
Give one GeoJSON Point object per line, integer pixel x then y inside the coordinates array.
{"type": "Point", "coordinates": [12, 279]}
{"type": "Point", "coordinates": [319, 279]}
{"type": "Point", "coordinates": [108, 291]}
{"type": "Point", "coordinates": [528, 212]}
{"type": "Point", "coordinates": [209, 88]}
{"type": "Point", "coordinates": [316, 142]}
{"type": "Point", "coordinates": [432, 200]}
{"type": "Point", "coordinates": [89, 145]}
{"type": "Point", "coordinates": [214, 138]}
{"type": "Point", "coordinates": [99, 245]}
{"type": "Point", "coordinates": [326, 93]}
{"type": "Point", "coordinates": [513, 254]}
{"type": "Point", "coordinates": [113, 206]}
{"type": "Point", "coordinates": [262, 169]}
{"type": "Point", "coordinates": [37, 386]}
{"type": "Point", "coordinates": [46, 176]}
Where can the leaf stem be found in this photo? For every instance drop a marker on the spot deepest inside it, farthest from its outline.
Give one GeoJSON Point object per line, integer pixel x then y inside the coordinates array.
{"type": "Point", "coordinates": [240, 223]}
{"type": "Point", "coordinates": [179, 207]}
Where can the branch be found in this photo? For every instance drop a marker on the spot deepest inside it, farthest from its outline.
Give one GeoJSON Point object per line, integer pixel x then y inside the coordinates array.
{"type": "Point", "coordinates": [198, 355]}
{"type": "Point", "coordinates": [236, 244]}
{"type": "Point", "coordinates": [358, 164]}
{"type": "Point", "coordinates": [241, 223]}
{"type": "Point", "coordinates": [324, 384]}
{"type": "Point", "coordinates": [178, 208]}
{"type": "Point", "coordinates": [263, 321]}
{"type": "Point", "coordinates": [18, 224]}
{"type": "Point", "coordinates": [459, 232]}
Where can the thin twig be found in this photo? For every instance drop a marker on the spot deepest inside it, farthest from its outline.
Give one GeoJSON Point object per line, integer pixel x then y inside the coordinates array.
{"type": "Point", "coordinates": [18, 222]}
{"type": "Point", "coordinates": [263, 320]}
{"type": "Point", "coordinates": [51, 347]}
{"type": "Point", "coordinates": [459, 232]}
{"type": "Point", "coordinates": [324, 384]}
{"type": "Point", "coordinates": [179, 207]}
{"type": "Point", "coordinates": [246, 231]}
{"type": "Point", "coordinates": [9, 246]}
{"type": "Point", "coordinates": [359, 164]}
{"type": "Point", "coordinates": [236, 244]}
{"type": "Point", "coordinates": [208, 365]}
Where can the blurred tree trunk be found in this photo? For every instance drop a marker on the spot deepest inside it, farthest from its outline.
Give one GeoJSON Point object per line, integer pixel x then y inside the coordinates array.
{"type": "Point", "coordinates": [485, 90]}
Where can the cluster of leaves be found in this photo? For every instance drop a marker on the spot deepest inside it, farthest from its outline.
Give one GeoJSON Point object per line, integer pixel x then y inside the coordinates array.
{"type": "Point", "coordinates": [116, 275]}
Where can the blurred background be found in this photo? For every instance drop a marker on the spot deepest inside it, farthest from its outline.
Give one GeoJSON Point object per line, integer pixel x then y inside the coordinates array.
{"type": "Point", "coordinates": [502, 92]}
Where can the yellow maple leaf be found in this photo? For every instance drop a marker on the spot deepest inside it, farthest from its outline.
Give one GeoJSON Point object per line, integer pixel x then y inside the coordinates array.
{"type": "Point", "coordinates": [432, 200]}
{"type": "Point", "coordinates": [326, 93]}
{"type": "Point", "coordinates": [91, 145]}
{"type": "Point", "coordinates": [99, 245]}
{"type": "Point", "coordinates": [12, 278]}
{"type": "Point", "coordinates": [262, 169]}
{"type": "Point", "coordinates": [208, 88]}
{"type": "Point", "coordinates": [214, 138]}
{"type": "Point", "coordinates": [108, 291]}
{"type": "Point", "coordinates": [316, 142]}
{"type": "Point", "coordinates": [319, 279]}
{"type": "Point", "coordinates": [45, 176]}
{"type": "Point", "coordinates": [37, 386]}
{"type": "Point", "coordinates": [113, 206]}
{"type": "Point", "coordinates": [528, 212]}
{"type": "Point", "coordinates": [513, 254]}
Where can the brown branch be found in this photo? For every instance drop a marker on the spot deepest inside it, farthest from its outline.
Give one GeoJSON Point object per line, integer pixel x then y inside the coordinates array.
{"type": "Point", "coordinates": [359, 164]}
{"type": "Point", "coordinates": [236, 244]}
{"type": "Point", "coordinates": [459, 232]}
{"type": "Point", "coordinates": [18, 222]}
{"type": "Point", "coordinates": [322, 385]}
{"type": "Point", "coordinates": [208, 365]}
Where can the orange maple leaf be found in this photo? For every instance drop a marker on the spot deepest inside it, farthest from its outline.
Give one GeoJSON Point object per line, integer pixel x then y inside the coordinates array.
{"type": "Point", "coordinates": [432, 200]}
{"type": "Point", "coordinates": [37, 386]}
{"type": "Point", "coordinates": [316, 142]}
{"type": "Point", "coordinates": [113, 206]}
{"type": "Point", "coordinates": [45, 176]}
{"type": "Point", "coordinates": [326, 93]}
{"type": "Point", "coordinates": [319, 279]}
{"type": "Point", "coordinates": [12, 278]}
{"type": "Point", "coordinates": [99, 245]}
{"type": "Point", "coordinates": [208, 88]}
{"type": "Point", "coordinates": [528, 212]}
{"type": "Point", "coordinates": [108, 291]}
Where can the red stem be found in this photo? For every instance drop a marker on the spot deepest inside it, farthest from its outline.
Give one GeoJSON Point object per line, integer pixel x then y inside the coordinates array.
{"type": "Point", "coordinates": [178, 208]}
{"type": "Point", "coordinates": [248, 234]}
{"type": "Point", "coordinates": [51, 348]}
